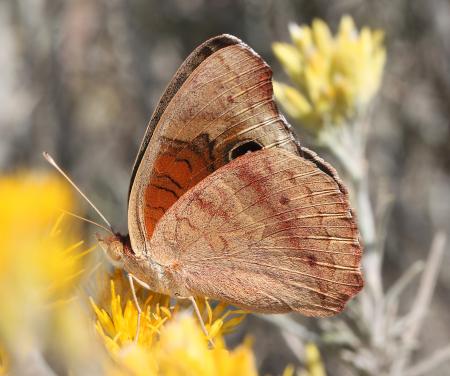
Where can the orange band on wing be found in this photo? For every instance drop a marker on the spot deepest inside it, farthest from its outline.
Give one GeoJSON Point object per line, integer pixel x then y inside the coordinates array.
{"type": "Point", "coordinates": [176, 170]}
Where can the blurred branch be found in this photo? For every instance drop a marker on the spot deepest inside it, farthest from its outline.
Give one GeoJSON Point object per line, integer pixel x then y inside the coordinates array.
{"type": "Point", "coordinates": [286, 323]}
{"type": "Point", "coordinates": [425, 366]}
{"type": "Point", "coordinates": [295, 344]}
{"type": "Point", "coordinates": [415, 318]}
{"type": "Point", "coordinates": [404, 280]}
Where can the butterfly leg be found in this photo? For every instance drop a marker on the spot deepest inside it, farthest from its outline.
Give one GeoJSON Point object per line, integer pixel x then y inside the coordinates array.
{"type": "Point", "coordinates": [142, 283]}
{"type": "Point", "coordinates": [131, 279]}
{"type": "Point", "coordinates": [202, 324]}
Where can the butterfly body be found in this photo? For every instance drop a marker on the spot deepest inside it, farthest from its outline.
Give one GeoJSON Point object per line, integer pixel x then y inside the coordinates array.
{"type": "Point", "coordinates": [159, 277]}
{"type": "Point", "coordinates": [224, 202]}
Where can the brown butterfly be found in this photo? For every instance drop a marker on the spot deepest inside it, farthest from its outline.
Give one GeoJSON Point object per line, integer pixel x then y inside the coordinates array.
{"type": "Point", "coordinates": [225, 203]}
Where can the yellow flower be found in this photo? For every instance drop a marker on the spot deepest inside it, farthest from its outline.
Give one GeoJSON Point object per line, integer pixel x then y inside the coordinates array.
{"type": "Point", "coordinates": [182, 350]}
{"type": "Point", "coordinates": [39, 262]}
{"type": "Point", "coordinates": [183, 339]}
{"type": "Point", "coordinates": [220, 320]}
{"type": "Point", "coordinates": [3, 362]}
{"type": "Point", "coordinates": [335, 78]}
{"type": "Point", "coordinates": [313, 363]}
{"type": "Point", "coordinates": [170, 342]}
{"type": "Point", "coordinates": [118, 326]}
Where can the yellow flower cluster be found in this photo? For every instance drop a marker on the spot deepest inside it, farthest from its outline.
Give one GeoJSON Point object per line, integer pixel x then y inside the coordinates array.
{"type": "Point", "coordinates": [40, 265]}
{"type": "Point", "coordinates": [170, 341]}
{"type": "Point", "coordinates": [335, 77]}
{"type": "Point", "coordinates": [37, 265]}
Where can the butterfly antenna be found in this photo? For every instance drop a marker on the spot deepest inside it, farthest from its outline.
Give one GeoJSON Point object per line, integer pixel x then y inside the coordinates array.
{"type": "Point", "coordinates": [88, 221]}
{"type": "Point", "coordinates": [50, 160]}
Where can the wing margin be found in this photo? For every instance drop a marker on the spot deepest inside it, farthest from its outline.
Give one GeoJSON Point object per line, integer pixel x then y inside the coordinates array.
{"type": "Point", "coordinates": [200, 54]}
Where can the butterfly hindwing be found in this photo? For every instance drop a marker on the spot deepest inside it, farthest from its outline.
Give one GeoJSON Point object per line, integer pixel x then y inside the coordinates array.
{"type": "Point", "coordinates": [269, 231]}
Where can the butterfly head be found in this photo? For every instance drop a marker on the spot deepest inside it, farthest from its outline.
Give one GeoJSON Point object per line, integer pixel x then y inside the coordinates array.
{"type": "Point", "coordinates": [115, 247]}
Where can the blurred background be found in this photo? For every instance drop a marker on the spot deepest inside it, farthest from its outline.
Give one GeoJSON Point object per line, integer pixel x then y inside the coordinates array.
{"type": "Point", "coordinates": [80, 79]}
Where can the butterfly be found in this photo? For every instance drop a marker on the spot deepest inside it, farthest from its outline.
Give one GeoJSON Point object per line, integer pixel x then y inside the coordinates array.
{"type": "Point", "coordinates": [225, 203]}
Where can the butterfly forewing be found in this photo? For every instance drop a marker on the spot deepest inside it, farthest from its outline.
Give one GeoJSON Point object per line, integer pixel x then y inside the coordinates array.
{"type": "Point", "coordinates": [220, 108]}
{"type": "Point", "coordinates": [269, 231]}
